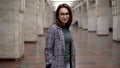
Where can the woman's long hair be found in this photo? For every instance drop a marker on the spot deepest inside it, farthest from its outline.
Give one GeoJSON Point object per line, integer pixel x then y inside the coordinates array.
{"type": "Point", "coordinates": [67, 25]}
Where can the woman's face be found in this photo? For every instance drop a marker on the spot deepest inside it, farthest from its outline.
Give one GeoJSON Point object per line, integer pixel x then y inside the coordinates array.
{"type": "Point", "coordinates": [64, 15]}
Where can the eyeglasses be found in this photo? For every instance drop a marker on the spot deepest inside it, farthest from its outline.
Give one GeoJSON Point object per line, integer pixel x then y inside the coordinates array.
{"type": "Point", "coordinates": [64, 14]}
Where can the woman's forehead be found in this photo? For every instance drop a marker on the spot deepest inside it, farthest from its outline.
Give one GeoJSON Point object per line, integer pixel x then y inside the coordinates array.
{"type": "Point", "coordinates": [64, 10]}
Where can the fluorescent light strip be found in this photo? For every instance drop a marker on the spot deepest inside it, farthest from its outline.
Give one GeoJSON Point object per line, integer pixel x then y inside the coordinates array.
{"type": "Point", "coordinates": [62, 0]}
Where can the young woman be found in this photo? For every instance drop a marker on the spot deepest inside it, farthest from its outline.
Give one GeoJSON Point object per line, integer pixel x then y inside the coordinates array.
{"type": "Point", "coordinates": [59, 49]}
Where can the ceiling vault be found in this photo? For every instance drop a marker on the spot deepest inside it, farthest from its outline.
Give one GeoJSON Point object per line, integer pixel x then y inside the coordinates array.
{"type": "Point", "coordinates": [54, 3]}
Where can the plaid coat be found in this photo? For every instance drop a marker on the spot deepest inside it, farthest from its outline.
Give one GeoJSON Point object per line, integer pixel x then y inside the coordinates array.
{"type": "Point", "coordinates": [55, 48]}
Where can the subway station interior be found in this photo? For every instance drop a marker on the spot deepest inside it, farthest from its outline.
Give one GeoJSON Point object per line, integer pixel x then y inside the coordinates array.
{"type": "Point", "coordinates": [95, 30]}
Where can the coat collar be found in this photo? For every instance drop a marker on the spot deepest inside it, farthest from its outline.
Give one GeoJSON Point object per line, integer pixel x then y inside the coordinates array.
{"type": "Point", "coordinates": [57, 26]}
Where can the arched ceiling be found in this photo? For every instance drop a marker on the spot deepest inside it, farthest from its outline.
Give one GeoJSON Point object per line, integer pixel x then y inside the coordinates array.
{"type": "Point", "coordinates": [54, 3]}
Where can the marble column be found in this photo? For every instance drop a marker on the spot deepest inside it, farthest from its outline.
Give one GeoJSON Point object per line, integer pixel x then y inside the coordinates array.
{"type": "Point", "coordinates": [73, 12]}
{"type": "Point", "coordinates": [75, 15]}
{"type": "Point", "coordinates": [40, 17]}
{"type": "Point", "coordinates": [84, 16]}
{"type": "Point", "coordinates": [92, 18]}
{"type": "Point", "coordinates": [48, 14]}
{"type": "Point", "coordinates": [11, 32]}
{"type": "Point", "coordinates": [51, 16]}
{"type": "Point", "coordinates": [80, 17]}
{"type": "Point", "coordinates": [30, 20]}
{"type": "Point", "coordinates": [110, 16]}
{"type": "Point", "coordinates": [45, 15]}
{"type": "Point", "coordinates": [116, 20]}
{"type": "Point", "coordinates": [102, 7]}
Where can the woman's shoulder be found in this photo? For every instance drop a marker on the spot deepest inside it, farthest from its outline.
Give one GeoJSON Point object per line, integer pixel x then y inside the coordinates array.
{"type": "Point", "coordinates": [53, 28]}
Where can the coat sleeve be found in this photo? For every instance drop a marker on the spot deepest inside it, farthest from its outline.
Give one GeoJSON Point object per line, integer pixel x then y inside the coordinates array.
{"type": "Point", "coordinates": [49, 47]}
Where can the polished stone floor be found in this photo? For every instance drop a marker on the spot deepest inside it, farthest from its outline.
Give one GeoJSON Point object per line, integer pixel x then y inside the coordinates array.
{"type": "Point", "coordinates": [92, 50]}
